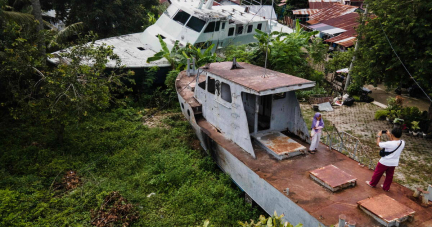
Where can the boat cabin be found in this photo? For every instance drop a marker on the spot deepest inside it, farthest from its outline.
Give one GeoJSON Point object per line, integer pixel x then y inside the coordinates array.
{"type": "Point", "coordinates": [246, 102]}
{"type": "Point", "coordinates": [202, 24]}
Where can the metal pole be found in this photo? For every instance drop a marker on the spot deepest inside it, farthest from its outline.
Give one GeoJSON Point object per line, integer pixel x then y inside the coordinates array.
{"type": "Point", "coordinates": [351, 224]}
{"type": "Point", "coordinates": [354, 57]}
{"type": "Point", "coordinates": [256, 114]}
{"type": "Point", "coordinates": [342, 219]}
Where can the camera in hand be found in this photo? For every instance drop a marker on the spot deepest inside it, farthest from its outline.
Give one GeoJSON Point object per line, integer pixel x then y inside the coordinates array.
{"type": "Point", "coordinates": [384, 131]}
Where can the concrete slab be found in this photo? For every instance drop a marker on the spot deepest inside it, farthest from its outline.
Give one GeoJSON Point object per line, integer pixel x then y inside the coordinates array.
{"type": "Point", "coordinates": [386, 210]}
{"type": "Point", "coordinates": [333, 178]}
{"type": "Point", "coordinates": [279, 145]}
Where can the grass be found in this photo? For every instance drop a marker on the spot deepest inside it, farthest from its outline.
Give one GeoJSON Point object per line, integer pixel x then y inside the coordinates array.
{"type": "Point", "coordinates": [114, 152]}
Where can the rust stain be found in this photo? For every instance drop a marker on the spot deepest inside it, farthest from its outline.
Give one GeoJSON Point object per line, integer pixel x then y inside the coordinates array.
{"type": "Point", "coordinates": [281, 145]}
{"type": "Point", "coordinates": [251, 76]}
{"type": "Point", "coordinates": [386, 208]}
{"type": "Point", "coordinates": [333, 176]}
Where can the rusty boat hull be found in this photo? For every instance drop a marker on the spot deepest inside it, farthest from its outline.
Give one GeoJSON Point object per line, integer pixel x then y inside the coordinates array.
{"type": "Point", "coordinates": [287, 185]}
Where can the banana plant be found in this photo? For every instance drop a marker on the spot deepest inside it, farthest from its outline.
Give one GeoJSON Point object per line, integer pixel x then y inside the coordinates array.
{"type": "Point", "coordinates": [201, 57]}
{"type": "Point", "coordinates": [275, 221]}
{"type": "Point", "coordinates": [172, 56]}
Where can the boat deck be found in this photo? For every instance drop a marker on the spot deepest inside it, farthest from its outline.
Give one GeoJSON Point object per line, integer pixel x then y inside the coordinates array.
{"type": "Point", "coordinates": [294, 173]}
{"type": "Point", "coordinates": [317, 200]}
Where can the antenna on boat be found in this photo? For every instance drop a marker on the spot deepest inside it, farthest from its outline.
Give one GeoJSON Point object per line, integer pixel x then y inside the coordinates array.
{"type": "Point", "coordinates": [190, 71]}
{"type": "Point", "coordinates": [236, 65]}
{"type": "Point", "coordinates": [201, 4]}
{"type": "Point", "coordinates": [267, 46]}
{"type": "Point", "coordinates": [209, 4]}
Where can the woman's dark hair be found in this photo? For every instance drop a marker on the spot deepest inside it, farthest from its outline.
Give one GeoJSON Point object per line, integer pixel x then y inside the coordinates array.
{"type": "Point", "coordinates": [397, 132]}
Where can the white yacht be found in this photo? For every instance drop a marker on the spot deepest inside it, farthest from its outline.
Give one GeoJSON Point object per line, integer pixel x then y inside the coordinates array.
{"type": "Point", "coordinates": [190, 21]}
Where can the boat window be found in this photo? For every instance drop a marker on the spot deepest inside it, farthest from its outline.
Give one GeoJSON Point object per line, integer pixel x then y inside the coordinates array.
{"type": "Point", "coordinates": [196, 24]}
{"type": "Point", "coordinates": [279, 95]}
{"type": "Point", "coordinates": [203, 45]}
{"type": "Point", "coordinates": [250, 27]}
{"type": "Point", "coordinates": [226, 92]}
{"type": "Point", "coordinates": [217, 26]}
{"type": "Point", "coordinates": [259, 27]}
{"type": "Point", "coordinates": [181, 17]}
{"type": "Point", "coordinates": [211, 85]}
{"type": "Point", "coordinates": [202, 84]}
{"type": "Point", "coordinates": [223, 25]}
{"type": "Point", "coordinates": [230, 31]}
{"type": "Point", "coordinates": [239, 30]}
{"type": "Point", "coordinates": [163, 37]}
{"type": "Point", "coordinates": [210, 27]}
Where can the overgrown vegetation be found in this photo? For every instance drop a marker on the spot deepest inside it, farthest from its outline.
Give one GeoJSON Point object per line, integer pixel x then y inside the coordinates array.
{"type": "Point", "coordinates": [113, 152]}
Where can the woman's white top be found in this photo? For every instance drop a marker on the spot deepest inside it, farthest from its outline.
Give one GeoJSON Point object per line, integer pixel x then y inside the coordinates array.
{"type": "Point", "coordinates": [318, 127]}
{"type": "Point", "coordinates": [392, 159]}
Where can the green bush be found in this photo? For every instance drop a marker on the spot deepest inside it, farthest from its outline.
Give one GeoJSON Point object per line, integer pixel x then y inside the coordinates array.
{"type": "Point", "coordinates": [306, 94]}
{"type": "Point", "coordinates": [114, 152]}
{"type": "Point", "coordinates": [381, 114]}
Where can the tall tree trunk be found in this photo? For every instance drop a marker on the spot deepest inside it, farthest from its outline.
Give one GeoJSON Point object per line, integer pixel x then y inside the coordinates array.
{"type": "Point", "coordinates": [37, 13]}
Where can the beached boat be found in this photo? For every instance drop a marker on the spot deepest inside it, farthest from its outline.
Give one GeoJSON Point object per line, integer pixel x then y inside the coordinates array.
{"type": "Point", "coordinates": [249, 121]}
{"type": "Point", "coordinates": [189, 21]}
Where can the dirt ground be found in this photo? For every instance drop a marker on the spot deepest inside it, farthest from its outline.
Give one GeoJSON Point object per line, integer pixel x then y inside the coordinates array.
{"type": "Point", "coordinates": [415, 166]}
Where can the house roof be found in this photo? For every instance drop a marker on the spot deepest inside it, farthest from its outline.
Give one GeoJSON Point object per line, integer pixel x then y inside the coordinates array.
{"type": "Point", "coordinates": [345, 39]}
{"type": "Point", "coordinates": [305, 11]}
{"type": "Point", "coordinates": [251, 76]}
{"type": "Point", "coordinates": [325, 28]}
{"type": "Point", "coordinates": [347, 21]}
{"type": "Point", "coordinates": [332, 11]}
{"type": "Point", "coordinates": [319, 4]}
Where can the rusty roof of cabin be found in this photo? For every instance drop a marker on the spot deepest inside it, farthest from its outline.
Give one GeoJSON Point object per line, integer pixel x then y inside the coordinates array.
{"type": "Point", "coordinates": [252, 76]}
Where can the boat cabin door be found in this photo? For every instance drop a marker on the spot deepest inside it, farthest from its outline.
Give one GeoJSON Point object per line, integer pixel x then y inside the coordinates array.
{"type": "Point", "coordinates": [258, 111]}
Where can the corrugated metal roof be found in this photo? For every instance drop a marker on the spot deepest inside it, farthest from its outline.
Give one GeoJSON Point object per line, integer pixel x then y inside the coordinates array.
{"type": "Point", "coordinates": [345, 39]}
{"type": "Point", "coordinates": [347, 21]}
{"type": "Point", "coordinates": [319, 4]}
{"type": "Point", "coordinates": [333, 11]}
{"type": "Point", "coordinates": [305, 11]}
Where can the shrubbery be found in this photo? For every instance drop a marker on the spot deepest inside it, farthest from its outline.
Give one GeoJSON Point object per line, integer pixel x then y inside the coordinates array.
{"type": "Point", "coordinates": [114, 152]}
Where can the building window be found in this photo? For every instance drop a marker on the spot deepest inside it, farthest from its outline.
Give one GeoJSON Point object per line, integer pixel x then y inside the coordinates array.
{"type": "Point", "coordinates": [211, 85]}
{"type": "Point", "coordinates": [181, 17]}
{"type": "Point", "coordinates": [250, 27]}
{"type": "Point", "coordinates": [239, 30]}
{"type": "Point", "coordinates": [259, 27]}
{"type": "Point", "coordinates": [226, 92]}
{"type": "Point", "coordinates": [230, 31]}
{"type": "Point", "coordinates": [196, 24]}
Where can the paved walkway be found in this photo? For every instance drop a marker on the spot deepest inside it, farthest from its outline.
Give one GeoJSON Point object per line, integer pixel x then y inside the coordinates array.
{"type": "Point", "coordinates": [415, 168]}
{"type": "Point", "coordinates": [381, 95]}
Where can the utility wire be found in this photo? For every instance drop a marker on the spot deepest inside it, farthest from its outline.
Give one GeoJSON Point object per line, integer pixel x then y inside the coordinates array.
{"type": "Point", "coordinates": [388, 40]}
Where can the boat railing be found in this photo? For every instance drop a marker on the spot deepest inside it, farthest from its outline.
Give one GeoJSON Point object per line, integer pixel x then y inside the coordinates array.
{"type": "Point", "coordinates": [351, 146]}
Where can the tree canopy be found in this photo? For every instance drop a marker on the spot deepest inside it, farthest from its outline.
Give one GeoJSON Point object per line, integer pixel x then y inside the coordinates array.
{"type": "Point", "coordinates": [106, 18]}
{"type": "Point", "coordinates": [407, 23]}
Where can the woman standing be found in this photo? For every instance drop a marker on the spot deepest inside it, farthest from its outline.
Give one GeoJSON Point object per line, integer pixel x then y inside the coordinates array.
{"type": "Point", "coordinates": [317, 126]}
